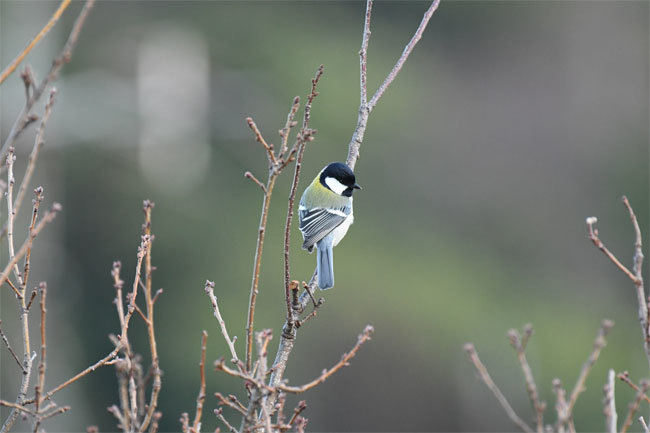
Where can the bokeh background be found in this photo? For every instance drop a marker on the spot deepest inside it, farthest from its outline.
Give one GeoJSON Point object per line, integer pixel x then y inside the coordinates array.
{"type": "Point", "coordinates": [510, 124]}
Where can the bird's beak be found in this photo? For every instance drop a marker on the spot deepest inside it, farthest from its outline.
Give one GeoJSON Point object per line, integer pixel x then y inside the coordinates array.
{"type": "Point", "coordinates": [356, 186]}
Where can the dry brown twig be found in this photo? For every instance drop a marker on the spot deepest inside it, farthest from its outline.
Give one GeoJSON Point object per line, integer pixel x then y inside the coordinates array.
{"type": "Point", "coordinates": [48, 26]}
{"type": "Point", "coordinates": [200, 399]}
{"type": "Point", "coordinates": [519, 343]}
{"type": "Point", "coordinates": [634, 406]}
{"type": "Point", "coordinates": [636, 275]}
{"type": "Point", "coordinates": [276, 163]}
{"type": "Point", "coordinates": [24, 119]}
{"type": "Point", "coordinates": [366, 106]}
{"type": "Point", "coordinates": [485, 376]}
{"type": "Point", "coordinates": [262, 397]}
{"type": "Point", "coordinates": [625, 377]}
{"type": "Point", "coordinates": [564, 407]}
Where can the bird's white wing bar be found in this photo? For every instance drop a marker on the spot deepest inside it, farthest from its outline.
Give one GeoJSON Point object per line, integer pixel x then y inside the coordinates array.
{"type": "Point", "coordinates": [317, 223]}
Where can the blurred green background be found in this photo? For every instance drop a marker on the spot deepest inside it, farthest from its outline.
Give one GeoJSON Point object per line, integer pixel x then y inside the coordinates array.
{"type": "Point", "coordinates": [509, 125]}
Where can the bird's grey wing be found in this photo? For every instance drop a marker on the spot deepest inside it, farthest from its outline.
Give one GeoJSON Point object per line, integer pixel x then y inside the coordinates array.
{"type": "Point", "coordinates": [317, 223]}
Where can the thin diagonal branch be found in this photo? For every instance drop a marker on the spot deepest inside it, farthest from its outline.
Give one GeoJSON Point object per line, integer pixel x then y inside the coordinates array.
{"type": "Point", "coordinates": [634, 406]}
{"type": "Point", "coordinates": [485, 376]}
{"type": "Point", "coordinates": [344, 362]}
{"type": "Point", "coordinates": [209, 289]}
{"type": "Point", "coordinates": [599, 343]}
{"type": "Point", "coordinates": [48, 26]}
{"type": "Point", "coordinates": [24, 119]}
{"type": "Point", "coordinates": [38, 144]}
{"type": "Point", "coordinates": [6, 342]}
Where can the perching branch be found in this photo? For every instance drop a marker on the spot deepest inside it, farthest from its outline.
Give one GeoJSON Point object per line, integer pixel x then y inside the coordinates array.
{"type": "Point", "coordinates": [366, 106]}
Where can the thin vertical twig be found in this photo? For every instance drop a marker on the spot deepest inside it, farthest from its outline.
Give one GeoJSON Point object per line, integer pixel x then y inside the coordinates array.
{"type": "Point", "coordinates": [304, 137]}
{"type": "Point", "coordinates": [288, 335]}
{"type": "Point", "coordinates": [122, 338]}
{"type": "Point", "coordinates": [147, 207]}
{"type": "Point", "coordinates": [366, 107]}
{"type": "Point", "coordinates": [609, 403]}
{"type": "Point", "coordinates": [42, 365]}
{"type": "Point", "coordinates": [200, 399]}
{"type": "Point", "coordinates": [636, 275]}
{"type": "Point", "coordinates": [519, 344]}
{"type": "Point", "coordinates": [28, 358]}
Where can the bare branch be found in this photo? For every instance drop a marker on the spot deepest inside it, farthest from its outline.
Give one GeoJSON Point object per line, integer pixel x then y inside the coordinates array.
{"type": "Point", "coordinates": [634, 406]}
{"type": "Point", "coordinates": [625, 377]}
{"type": "Point", "coordinates": [609, 403]}
{"type": "Point", "coordinates": [6, 342]}
{"type": "Point", "coordinates": [485, 376]}
{"type": "Point", "coordinates": [144, 244]}
{"type": "Point", "coordinates": [47, 218]}
{"type": "Point", "coordinates": [599, 343]}
{"type": "Point", "coordinates": [38, 144]}
{"type": "Point", "coordinates": [304, 136]}
{"type": "Point", "coordinates": [231, 402]}
{"type": "Point", "coordinates": [219, 414]}
{"type": "Point", "coordinates": [519, 344]}
{"type": "Point", "coordinates": [260, 139]}
{"type": "Point", "coordinates": [366, 107]}
{"type": "Point", "coordinates": [52, 21]}
{"type": "Point", "coordinates": [147, 207]}
{"type": "Point", "coordinates": [250, 176]}
{"type": "Point", "coordinates": [25, 118]}
{"type": "Point", "coordinates": [344, 362]}
{"type": "Point", "coordinates": [209, 289]}
{"type": "Point", "coordinates": [593, 235]}
{"type": "Point", "coordinates": [196, 426]}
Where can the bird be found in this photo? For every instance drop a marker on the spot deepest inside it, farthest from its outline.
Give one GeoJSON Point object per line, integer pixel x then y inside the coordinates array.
{"type": "Point", "coordinates": [325, 214]}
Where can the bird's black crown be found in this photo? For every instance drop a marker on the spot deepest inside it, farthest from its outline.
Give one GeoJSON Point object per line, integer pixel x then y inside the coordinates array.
{"type": "Point", "coordinates": [343, 174]}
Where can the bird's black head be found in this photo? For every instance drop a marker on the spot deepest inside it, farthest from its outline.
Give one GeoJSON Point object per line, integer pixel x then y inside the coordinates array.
{"type": "Point", "coordinates": [338, 178]}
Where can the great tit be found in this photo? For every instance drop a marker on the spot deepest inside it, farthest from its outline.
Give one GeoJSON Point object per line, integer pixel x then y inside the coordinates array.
{"type": "Point", "coordinates": [325, 214]}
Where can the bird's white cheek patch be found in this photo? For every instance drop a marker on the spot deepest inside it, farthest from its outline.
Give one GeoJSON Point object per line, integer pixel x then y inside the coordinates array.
{"type": "Point", "coordinates": [335, 185]}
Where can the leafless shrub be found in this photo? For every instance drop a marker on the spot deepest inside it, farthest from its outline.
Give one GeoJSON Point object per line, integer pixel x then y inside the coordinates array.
{"type": "Point", "coordinates": [564, 408]}
{"type": "Point", "coordinates": [264, 383]}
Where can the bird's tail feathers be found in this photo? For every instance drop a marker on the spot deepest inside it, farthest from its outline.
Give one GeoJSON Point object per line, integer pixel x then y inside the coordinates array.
{"type": "Point", "coordinates": [325, 263]}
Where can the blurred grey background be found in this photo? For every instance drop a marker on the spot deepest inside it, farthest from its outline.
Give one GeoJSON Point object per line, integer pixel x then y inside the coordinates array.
{"type": "Point", "coordinates": [509, 125]}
